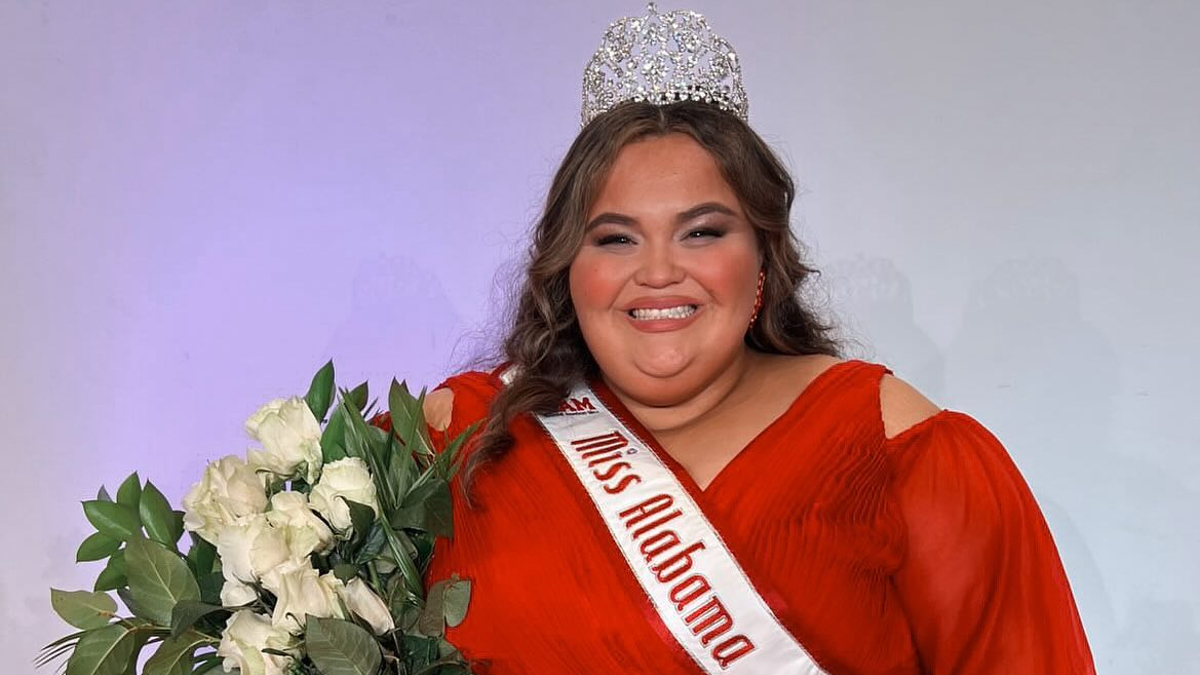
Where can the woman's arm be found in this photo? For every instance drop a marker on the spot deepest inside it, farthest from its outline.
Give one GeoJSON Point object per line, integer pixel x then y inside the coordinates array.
{"type": "Point", "coordinates": [981, 582]}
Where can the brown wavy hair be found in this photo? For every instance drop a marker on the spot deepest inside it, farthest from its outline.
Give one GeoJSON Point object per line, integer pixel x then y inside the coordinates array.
{"type": "Point", "coordinates": [545, 344]}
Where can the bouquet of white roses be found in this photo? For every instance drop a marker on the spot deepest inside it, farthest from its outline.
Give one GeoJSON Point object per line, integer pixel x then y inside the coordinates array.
{"type": "Point", "coordinates": [306, 557]}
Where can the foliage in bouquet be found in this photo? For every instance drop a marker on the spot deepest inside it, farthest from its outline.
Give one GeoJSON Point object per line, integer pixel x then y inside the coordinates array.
{"type": "Point", "coordinates": [306, 557]}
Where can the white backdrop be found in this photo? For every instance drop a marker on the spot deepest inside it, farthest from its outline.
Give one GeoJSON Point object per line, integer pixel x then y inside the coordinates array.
{"type": "Point", "coordinates": [201, 201]}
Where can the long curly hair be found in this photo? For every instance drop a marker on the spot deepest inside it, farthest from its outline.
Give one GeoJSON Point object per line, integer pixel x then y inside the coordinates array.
{"type": "Point", "coordinates": [545, 344]}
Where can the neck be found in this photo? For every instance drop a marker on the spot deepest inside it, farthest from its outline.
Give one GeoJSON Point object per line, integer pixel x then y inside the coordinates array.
{"type": "Point", "coordinates": [695, 404]}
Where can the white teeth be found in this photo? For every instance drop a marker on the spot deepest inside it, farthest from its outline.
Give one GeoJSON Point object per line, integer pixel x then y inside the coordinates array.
{"type": "Point", "coordinates": [680, 312]}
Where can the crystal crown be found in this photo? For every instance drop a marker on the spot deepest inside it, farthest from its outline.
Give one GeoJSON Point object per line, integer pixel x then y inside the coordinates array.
{"type": "Point", "coordinates": [662, 58]}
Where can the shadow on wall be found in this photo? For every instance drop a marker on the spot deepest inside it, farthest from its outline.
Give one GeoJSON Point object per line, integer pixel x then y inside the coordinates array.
{"type": "Point", "coordinates": [1027, 364]}
{"type": "Point", "coordinates": [874, 316]}
{"type": "Point", "coordinates": [400, 324]}
{"type": "Point", "coordinates": [1045, 380]}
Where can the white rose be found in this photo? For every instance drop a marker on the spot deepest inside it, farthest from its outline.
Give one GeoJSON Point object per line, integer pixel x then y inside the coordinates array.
{"type": "Point", "coordinates": [251, 547]}
{"type": "Point", "coordinates": [299, 592]}
{"type": "Point", "coordinates": [234, 593]}
{"type": "Point", "coordinates": [306, 532]}
{"type": "Point", "coordinates": [363, 603]}
{"type": "Point", "coordinates": [341, 480]}
{"type": "Point", "coordinates": [290, 436]}
{"type": "Point", "coordinates": [246, 635]}
{"type": "Point", "coordinates": [229, 490]}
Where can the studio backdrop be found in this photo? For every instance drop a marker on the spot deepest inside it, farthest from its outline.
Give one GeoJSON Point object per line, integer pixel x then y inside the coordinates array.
{"type": "Point", "coordinates": [202, 202]}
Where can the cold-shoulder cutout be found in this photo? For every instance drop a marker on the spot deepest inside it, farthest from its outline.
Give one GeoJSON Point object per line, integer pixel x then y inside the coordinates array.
{"type": "Point", "coordinates": [902, 406]}
{"type": "Point", "coordinates": [439, 408]}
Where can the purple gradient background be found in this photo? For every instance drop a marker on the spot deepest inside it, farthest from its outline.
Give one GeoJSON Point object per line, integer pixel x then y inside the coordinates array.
{"type": "Point", "coordinates": [201, 202]}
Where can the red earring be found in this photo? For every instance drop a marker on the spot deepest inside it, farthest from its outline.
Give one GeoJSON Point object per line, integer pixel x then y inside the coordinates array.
{"type": "Point", "coordinates": [762, 277]}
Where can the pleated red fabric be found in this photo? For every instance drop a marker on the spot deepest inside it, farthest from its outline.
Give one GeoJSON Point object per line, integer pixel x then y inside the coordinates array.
{"type": "Point", "coordinates": [920, 554]}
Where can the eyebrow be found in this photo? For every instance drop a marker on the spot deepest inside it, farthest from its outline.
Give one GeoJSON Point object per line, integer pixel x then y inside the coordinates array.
{"type": "Point", "coordinates": [682, 217]}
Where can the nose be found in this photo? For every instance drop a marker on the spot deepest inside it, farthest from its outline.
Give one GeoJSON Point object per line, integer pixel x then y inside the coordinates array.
{"type": "Point", "coordinates": [659, 266]}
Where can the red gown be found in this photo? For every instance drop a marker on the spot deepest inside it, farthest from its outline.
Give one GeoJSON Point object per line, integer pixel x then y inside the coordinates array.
{"type": "Point", "coordinates": [920, 554]}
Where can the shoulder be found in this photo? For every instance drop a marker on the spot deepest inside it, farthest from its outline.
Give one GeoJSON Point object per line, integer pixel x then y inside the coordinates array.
{"type": "Point", "coordinates": [901, 406]}
{"type": "Point", "coordinates": [465, 396]}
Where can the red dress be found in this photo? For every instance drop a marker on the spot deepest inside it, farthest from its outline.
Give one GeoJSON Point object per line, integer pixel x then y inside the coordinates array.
{"type": "Point", "coordinates": [920, 554]}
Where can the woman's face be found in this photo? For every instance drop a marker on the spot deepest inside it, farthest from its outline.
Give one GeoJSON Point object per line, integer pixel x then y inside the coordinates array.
{"type": "Point", "coordinates": [664, 283]}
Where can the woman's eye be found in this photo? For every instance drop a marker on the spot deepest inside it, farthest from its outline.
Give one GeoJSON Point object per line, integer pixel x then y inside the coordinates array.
{"type": "Point", "coordinates": [704, 233]}
{"type": "Point", "coordinates": [613, 239]}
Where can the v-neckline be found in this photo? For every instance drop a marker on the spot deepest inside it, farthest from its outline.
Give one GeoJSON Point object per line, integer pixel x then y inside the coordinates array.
{"type": "Point", "coordinates": [622, 413]}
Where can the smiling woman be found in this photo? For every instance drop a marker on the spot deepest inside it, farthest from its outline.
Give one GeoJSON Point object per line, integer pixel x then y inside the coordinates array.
{"type": "Point", "coordinates": [677, 474]}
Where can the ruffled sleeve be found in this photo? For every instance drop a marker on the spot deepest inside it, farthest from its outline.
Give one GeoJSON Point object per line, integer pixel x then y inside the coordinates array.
{"type": "Point", "coordinates": [981, 581]}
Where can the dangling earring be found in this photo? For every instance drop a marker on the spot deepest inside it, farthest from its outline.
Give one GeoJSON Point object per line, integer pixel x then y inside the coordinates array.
{"type": "Point", "coordinates": [762, 277]}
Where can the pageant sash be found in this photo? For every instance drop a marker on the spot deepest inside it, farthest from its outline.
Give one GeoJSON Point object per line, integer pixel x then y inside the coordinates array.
{"type": "Point", "coordinates": [697, 587]}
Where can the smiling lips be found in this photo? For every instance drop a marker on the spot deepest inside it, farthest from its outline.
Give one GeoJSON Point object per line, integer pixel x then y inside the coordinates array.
{"type": "Point", "coordinates": [650, 314]}
{"type": "Point", "coordinates": [662, 314]}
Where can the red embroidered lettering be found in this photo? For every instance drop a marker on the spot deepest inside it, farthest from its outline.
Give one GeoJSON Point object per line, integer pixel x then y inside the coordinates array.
{"type": "Point", "coordinates": [625, 482]}
{"type": "Point", "coordinates": [610, 441]}
{"type": "Point", "coordinates": [612, 471]}
{"type": "Point", "coordinates": [689, 590]}
{"type": "Point", "coordinates": [602, 452]}
{"type": "Point", "coordinates": [603, 459]}
{"type": "Point", "coordinates": [639, 512]}
{"type": "Point", "coordinates": [712, 619]}
{"type": "Point", "coordinates": [731, 650]}
{"type": "Point", "coordinates": [677, 564]}
{"type": "Point", "coordinates": [657, 523]}
{"type": "Point", "coordinates": [659, 543]}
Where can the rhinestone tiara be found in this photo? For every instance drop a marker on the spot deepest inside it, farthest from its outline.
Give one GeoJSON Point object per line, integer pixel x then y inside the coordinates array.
{"type": "Point", "coordinates": [662, 58]}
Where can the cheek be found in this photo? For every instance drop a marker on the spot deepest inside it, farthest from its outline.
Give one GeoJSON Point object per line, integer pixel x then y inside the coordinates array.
{"type": "Point", "coordinates": [731, 279]}
{"type": "Point", "coordinates": [594, 285]}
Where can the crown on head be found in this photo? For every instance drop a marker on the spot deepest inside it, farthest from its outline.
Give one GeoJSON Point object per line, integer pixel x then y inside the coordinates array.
{"type": "Point", "coordinates": [661, 59]}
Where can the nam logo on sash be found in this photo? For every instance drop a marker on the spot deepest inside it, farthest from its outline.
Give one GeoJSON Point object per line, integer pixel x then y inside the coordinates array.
{"type": "Point", "coordinates": [576, 406]}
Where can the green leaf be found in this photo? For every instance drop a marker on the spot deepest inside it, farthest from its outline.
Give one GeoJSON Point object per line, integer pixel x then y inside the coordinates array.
{"type": "Point", "coordinates": [207, 666]}
{"type": "Point", "coordinates": [115, 520]}
{"type": "Point", "coordinates": [422, 651]}
{"type": "Point", "coordinates": [132, 604]}
{"type": "Point", "coordinates": [433, 619]}
{"type": "Point", "coordinates": [320, 391]}
{"type": "Point", "coordinates": [157, 517]}
{"type": "Point", "coordinates": [210, 587]}
{"type": "Point", "coordinates": [361, 517]}
{"type": "Point", "coordinates": [345, 572]}
{"type": "Point", "coordinates": [83, 609]}
{"type": "Point", "coordinates": [355, 441]}
{"type": "Point", "coordinates": [372, 545]}
{"type": "Point", "coordinates": [201, 556]}
{"type": "Point", "coordinates": [333, 439]}
{"type": "Point", "coordinates": [186, 613]}
{"type": "Point", "coordinates": [340, 647]}
{"type": "Point", "coordinates": [456, 597]}
{"type": "Point", "coordinates": [112, 576]}
{"type": "Point", "coordinates": [130, 491]}
{"type": "Point", "coordinates": [447, 462]}
{"type": "Point", "coordinates": [104, 651]}
{"type": "Point", "coordinates": [176, 525]}
{"type": "Point", "coordinates": [96, 547]}
{"type": "Point", "coordinates": [427, 507]}
{"type": "Point", "coordinates": [158, 579]}
{"type": "Point", "coordinates": [59, 647]}
{"type": "Point", "coordinates": [174, 655]}
{"type": "Point", "coordinates": [408, 419]}
{"type": "Point", "coordinates": [102, 495]}
{"type": "Point", "coordinates": [401, 472]}
{"type": "Point", "coordinates": [358, 396]}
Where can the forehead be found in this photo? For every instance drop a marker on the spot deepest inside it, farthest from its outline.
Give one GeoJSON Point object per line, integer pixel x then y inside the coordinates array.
{"type": "Point", "coordinates": [662, 175]}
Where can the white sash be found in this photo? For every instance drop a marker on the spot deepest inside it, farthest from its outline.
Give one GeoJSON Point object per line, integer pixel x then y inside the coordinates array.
{"type": "Point", "coordinates": [697, 587]}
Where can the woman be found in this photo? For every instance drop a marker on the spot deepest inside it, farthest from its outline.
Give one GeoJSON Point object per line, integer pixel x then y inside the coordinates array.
{"type": "Point", "coordinates": [784, 511]}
